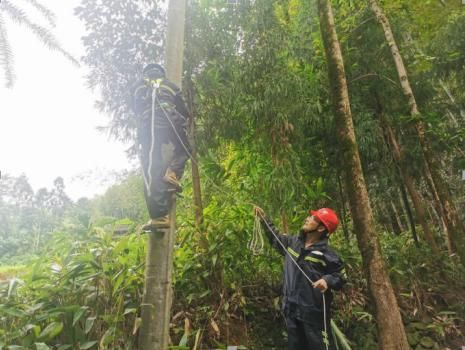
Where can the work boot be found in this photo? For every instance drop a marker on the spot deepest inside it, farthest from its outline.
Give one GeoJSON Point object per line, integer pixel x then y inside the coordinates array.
{"type": "Point", "coordinates": [153, 225]}
{"type": "Point", "coordinates": [171, 178]}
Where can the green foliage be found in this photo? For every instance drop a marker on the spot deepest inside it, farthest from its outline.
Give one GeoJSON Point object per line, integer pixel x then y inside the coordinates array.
{"type": "Point", "coordinates": [122, 38]}
{"type": "Point", "coordinates": [83, 293]}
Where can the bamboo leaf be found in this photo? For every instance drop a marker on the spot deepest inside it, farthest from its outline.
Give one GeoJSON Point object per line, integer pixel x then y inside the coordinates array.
{"type": "Point", "coordinates": [197, 340]}
{"type": "Point", "coordinates": [120, 277]}
{"type": "Point", "coordinates": [51, 331]}
{"type": "Point", "coordinates": [12, 287]}
{"type": "Point", "coordinates": [78, 314]}
{"type": "Point", "coordinates": [89, 323]}
{"type": "Point", "coordinates": [65, 347]}
{"type": "Point", "coordinates": [129, 311]}
{"type": "Point", "coordinates": [35, 329]}
{"type": "Point", "coordinates": [87, 345]}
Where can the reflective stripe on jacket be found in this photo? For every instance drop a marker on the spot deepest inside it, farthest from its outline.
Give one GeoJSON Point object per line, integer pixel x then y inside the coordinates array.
{"type": "Point", "coordinates": [300, 299]}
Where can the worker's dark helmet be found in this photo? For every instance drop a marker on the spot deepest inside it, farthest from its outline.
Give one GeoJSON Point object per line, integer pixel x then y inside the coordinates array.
{"type": "Point", "coordinates": [154, 71]}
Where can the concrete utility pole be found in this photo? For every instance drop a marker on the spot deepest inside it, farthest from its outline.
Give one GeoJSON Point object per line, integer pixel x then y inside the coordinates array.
{"type": "Point", "coordinates": [156, 304]}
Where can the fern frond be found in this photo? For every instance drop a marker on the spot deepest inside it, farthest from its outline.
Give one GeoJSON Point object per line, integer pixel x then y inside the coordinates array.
{"type": "Point", "coordinates": [6, 55]}
{"type": "Point", "coordinates": [43, 34]}
{"type": "Point", "coordinates": [47, 13]}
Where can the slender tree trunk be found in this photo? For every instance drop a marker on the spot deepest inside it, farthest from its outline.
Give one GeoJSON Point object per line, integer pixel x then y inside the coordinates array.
{"type": "Point", "coordinates": [399, 157]}
{"type": "Point", "coordinates": [157, 299]}
{"type": "Point", "coordinates": [408, 208]}
{"type": "Point", "coordinates": [417, 203]}
{"type": "Point", "coordinates": [440, 213]}
{"type": "Point", "coordinates": [196, 186]}
{"type": "Point", "coordinates": [450, 215]}
{"type": "Point", "coordinates": [389, 321]}
{"type": "Point", "coordinates": [398, 217]}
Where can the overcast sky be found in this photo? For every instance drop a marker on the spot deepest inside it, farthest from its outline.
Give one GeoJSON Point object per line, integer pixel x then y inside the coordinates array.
{"type": "Point", "coordinates": [48, 121]}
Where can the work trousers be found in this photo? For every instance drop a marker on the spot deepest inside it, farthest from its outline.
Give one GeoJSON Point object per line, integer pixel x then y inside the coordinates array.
{"type": "Point", "coordinates": [306, 336]}
{"type": "Point", "coordinates": [165, 150]}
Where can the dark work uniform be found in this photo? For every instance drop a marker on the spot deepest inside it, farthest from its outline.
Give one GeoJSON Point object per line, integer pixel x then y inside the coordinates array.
{"type": "Point", "coordinates": [303, 304]}
{"type": "Point", "coordinates": [155, 130]}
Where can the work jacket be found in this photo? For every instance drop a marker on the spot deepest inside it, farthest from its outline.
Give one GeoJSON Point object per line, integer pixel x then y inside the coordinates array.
{"type": "Point", "coordinates": [300, 299]}
{"type": "Point", "coordinates": [168, 103]}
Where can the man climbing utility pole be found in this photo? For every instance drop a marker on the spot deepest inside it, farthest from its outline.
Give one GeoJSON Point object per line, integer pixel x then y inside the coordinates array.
{"type": "Point", "coordinates": [161, 117]}
{"type": "Point", "coordinates": [156, 304]}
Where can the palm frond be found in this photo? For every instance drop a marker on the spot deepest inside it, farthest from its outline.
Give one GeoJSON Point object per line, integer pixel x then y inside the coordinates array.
{"type": "Point", "coordinates": [339, 337]}
{"type": "Point", "coordinates": [48, 14]}
{"type": "Point", "coordinates": [6, 55]}
{"type": "Point", "coordinates": [43, 34]}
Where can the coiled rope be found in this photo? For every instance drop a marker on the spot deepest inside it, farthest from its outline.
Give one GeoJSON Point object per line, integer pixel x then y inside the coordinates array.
{"type": "Point", "coordinates": [256, 243]}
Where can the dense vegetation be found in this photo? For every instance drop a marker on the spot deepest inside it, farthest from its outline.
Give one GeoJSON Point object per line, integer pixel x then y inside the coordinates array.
{"type": "Point", "coordinates": [257, 85]}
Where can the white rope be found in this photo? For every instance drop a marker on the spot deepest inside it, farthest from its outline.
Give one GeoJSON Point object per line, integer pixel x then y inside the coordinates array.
{"type": "Point", "coordinates": [257, 243]}
{"type": "Point", "coordinates": [152, 144]}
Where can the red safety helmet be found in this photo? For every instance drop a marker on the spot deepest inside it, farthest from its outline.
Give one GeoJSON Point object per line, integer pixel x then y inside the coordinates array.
{"type": "Point", "coordinates": [327, 217]}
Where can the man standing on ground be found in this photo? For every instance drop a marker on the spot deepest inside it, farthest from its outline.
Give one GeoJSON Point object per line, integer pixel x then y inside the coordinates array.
{"type": "Point", "coordinates": [303, 301]}
{"type": "Point", "coordinates": [161, 119]}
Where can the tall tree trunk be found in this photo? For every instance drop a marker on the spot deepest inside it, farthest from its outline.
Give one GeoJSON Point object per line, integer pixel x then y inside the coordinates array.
{"type": "Point", "coordinates": [156, 304]}
{"type": "Point", "coordinates": [450, 215]}
{"type": "Point", "coordinates": [389, 321]}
